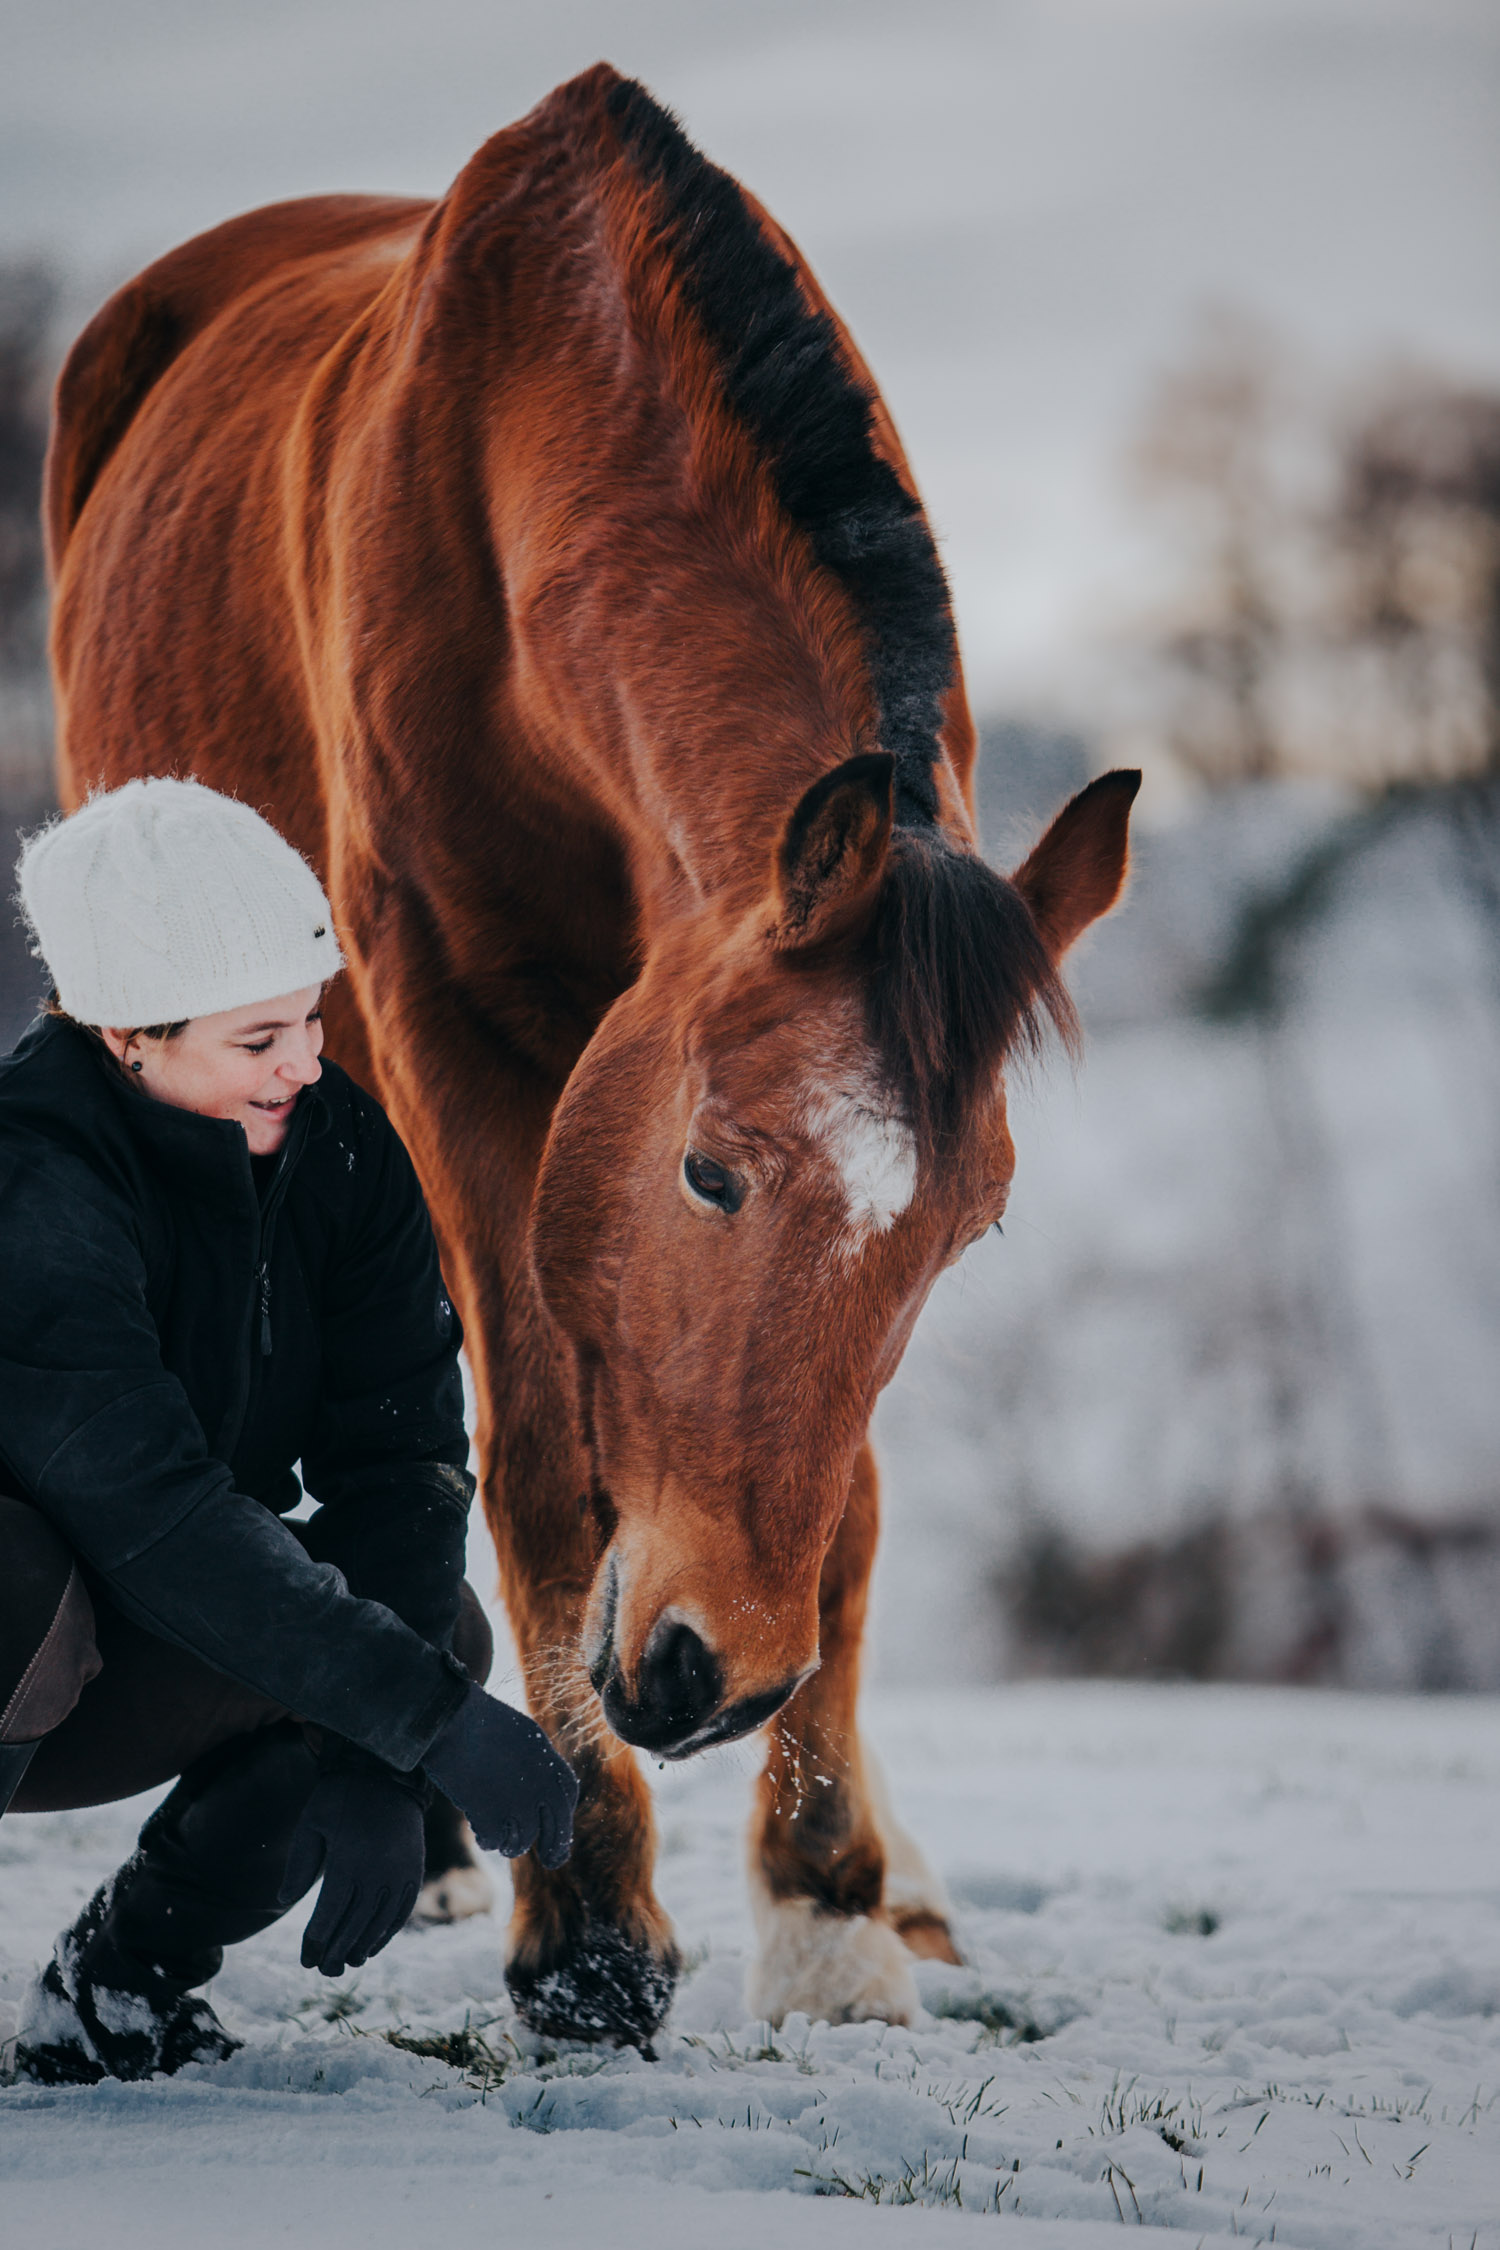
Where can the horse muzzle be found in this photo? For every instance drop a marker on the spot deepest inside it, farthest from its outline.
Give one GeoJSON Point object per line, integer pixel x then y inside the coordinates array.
{"type": "Point", "coordinates": [676, 1706]}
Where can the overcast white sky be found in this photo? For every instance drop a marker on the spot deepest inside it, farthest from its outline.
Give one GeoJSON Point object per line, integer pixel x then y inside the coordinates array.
{"type": "Point", "coordinates": [1018, 205]}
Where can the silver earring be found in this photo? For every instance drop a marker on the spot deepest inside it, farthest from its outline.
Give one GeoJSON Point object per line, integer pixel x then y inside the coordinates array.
{"type": "Point", "coordinates": [135, 1066]}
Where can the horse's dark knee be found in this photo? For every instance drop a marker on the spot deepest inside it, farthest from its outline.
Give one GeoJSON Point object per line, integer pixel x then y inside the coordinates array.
{"type": "Point", "coordinates": [473, 1642]}
{"type": "Point", "coordinates": [47, 1651]}
{"type": "Point", "coordinates": [446, 1840]}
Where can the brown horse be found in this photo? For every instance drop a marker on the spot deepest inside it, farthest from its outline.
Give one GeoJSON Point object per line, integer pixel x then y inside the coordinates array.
{"type": "Point", "coordinates": [544, 562]}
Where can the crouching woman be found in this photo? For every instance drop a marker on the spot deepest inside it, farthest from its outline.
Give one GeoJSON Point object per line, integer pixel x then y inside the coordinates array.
{"type": "Point", "coordinates": [217, 1264]}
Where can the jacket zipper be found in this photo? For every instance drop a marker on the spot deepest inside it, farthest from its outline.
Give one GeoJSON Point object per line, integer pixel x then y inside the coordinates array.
{"type": "Point", "coordinates": [260, 1296]}
{"type": "Point", "coordinates": [272, 1212]}
{"type": "Point", "coordinates": [269, 1217]}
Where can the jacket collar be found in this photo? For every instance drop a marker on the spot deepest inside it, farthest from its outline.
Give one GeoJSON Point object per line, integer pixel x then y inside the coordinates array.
{"type": "Point", "coordinates": [207, 1156]}
{"type": "Point", "coordinates": [204, 1156]}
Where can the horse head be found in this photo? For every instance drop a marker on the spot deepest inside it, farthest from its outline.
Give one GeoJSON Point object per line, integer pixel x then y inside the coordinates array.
{"type": "Point", "coordinates": [774, 1143]}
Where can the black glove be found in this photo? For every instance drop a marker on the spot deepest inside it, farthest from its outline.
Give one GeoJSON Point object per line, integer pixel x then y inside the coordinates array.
{"type": "Point", "coordinates": [365, 1833]}
{"type": "Point", "coordinates": [499, 1769]}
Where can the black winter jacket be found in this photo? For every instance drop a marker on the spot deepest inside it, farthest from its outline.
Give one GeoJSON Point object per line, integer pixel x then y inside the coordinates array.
{"type": "Point", "coordinates": [173, 1338]}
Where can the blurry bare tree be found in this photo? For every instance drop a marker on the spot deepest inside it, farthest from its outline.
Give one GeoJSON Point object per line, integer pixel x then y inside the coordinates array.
{"type": "Point", "coordinates": [1205, 456]}
{"type": "Point", "coordinates": [1338, 602]}
{"type": "Point", "coordinates": [1332, 609]}
{"type": "Point", "coordinates": [1416, 528]}
{"type": "Point", "coordinates": [1371, 1599]}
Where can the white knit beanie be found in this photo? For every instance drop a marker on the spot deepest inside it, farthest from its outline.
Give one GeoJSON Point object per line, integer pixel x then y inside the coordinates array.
{"type": "Point", "coordinates": [164, 900]}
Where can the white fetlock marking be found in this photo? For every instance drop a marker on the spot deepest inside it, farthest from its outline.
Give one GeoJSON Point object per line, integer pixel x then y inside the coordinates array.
{"type": "Point", "coordinates": [836, 1968]}
{"type": "Point", "coordinates": [912, 1884]}
{"type": "Point", "coordinates": [454, 1896]}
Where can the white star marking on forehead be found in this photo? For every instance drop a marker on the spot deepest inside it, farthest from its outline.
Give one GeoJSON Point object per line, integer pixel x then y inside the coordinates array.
{"type": "Point", "coordinates": [875, 1154]}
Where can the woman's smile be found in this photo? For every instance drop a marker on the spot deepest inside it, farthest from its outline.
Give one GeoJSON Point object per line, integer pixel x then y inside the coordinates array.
{"type": "Point", "coordinates": [269, 1121]}
{"type": "Point", "coordinates": [211, 1062]}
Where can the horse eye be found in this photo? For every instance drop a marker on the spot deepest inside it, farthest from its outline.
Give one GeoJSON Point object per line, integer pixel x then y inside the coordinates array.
{"type": "Point", "coordinates": [710, 1182]}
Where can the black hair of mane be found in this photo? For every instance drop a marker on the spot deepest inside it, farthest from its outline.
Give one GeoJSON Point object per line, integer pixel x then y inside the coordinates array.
{"type": "Point", "coordinates": [957, 979]}
{"type": "Point", "coordinates": [786, 379]}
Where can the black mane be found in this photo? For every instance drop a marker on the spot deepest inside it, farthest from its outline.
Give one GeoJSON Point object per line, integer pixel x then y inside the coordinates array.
{"type": "Point", "coordinates": [785, 378]}
{"type": "Point", "coordinates": [956, 973]}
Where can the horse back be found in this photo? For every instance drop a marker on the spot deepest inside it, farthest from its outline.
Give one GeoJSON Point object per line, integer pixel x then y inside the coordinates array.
{"type": "Point", "coordinates": [138, 335]}
{"type": "Point", "coordinates": [310, 469]}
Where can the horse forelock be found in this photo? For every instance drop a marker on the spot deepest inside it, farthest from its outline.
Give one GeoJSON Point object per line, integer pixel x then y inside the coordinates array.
{"type": "Point", "coordinates": [811, 419]}
{"type": "Point", "coordinates": [957, 979]}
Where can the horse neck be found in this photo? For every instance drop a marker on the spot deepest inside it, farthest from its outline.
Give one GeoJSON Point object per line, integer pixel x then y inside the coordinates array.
{"type": "Point", "coordinates": [693, 681]}
{"type": "Point", "coordinates": [676, 656]}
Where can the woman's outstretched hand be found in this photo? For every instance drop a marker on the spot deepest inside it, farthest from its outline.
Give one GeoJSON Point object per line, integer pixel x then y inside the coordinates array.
{"type": "Point", "coordinates": [500, 1770]}
{"type": "Point", "coordinates": [365, 1835]}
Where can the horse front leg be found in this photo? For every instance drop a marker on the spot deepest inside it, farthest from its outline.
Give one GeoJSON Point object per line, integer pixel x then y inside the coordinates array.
{"type": "Point", "coordinates": [591, 1953]}
{"type": "Point", "coordinates": [842, 1894]}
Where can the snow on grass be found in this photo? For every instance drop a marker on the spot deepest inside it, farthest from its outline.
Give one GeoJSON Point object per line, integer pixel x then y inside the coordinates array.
{"type": "Point", "coordinates": [1234, 1973]}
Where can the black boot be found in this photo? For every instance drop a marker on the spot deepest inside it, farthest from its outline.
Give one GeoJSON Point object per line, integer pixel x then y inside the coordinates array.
{"type": "Point", "coordinates": [116, 1999]}
{"type": "Point", "coordinates": [102, 2011]}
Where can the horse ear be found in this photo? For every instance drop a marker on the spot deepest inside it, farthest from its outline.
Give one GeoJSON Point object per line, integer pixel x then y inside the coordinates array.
{"type": "Point", "coordinates": [1077, 871]}
{"type": "Point", "coordinates": [832, 852]}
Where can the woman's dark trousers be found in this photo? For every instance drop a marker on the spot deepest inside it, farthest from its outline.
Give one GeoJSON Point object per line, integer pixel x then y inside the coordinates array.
{"type": "Point", "coordinates": [94, 1708]}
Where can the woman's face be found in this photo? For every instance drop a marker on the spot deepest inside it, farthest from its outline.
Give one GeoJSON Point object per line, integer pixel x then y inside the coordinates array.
{"type": "Point", "coordinates": [249, 1064]}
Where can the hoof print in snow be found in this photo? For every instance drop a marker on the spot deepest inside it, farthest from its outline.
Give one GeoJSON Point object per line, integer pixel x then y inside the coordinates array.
{"type": "Point", "coordinates": [1190, 1921]}
{"type": "Point", "coordinates": [1007, 2019]}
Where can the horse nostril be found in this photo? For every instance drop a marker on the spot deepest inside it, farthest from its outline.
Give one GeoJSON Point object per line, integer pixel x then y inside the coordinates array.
{"type": "Point", "coordinates": [680, 1684]}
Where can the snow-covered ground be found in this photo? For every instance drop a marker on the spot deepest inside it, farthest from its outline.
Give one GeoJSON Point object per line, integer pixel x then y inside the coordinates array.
{"type": "Point", "coordinates": [1235, 1974]}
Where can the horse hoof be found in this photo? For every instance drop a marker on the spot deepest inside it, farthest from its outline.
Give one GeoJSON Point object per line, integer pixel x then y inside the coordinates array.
{"type": "Point", "coordinates": [835, 1968]}
{"type": "Point", "coordinates": [454, 1895]}
{"type": "Point", "coordinates": [599, 1984]}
